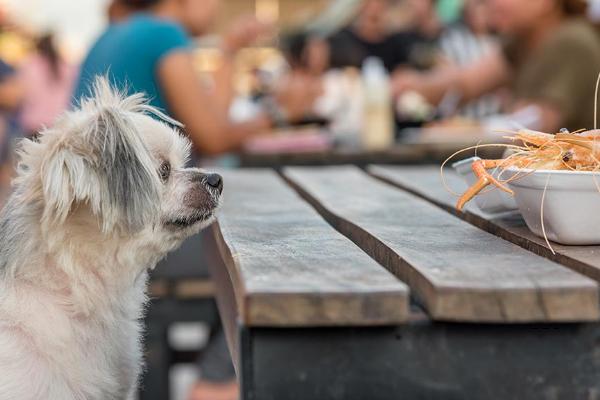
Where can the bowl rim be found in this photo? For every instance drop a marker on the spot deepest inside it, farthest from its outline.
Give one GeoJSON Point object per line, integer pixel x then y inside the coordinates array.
{"type": "Point", "coordinates": [464, 162]}
{"type": "Point", "coordinates": [531, 171]}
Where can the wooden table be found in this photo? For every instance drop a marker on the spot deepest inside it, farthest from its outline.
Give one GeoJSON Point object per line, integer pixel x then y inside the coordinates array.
{"type": "Point", "coordinates": [339, 283]}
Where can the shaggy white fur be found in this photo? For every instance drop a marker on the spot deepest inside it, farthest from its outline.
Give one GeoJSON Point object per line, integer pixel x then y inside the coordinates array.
{"type": "Point", "coordinates": [97, 202]}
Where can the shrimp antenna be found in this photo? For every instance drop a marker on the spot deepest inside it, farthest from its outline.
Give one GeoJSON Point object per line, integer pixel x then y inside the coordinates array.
{"type": "Point", "coordinates": [596, 103]}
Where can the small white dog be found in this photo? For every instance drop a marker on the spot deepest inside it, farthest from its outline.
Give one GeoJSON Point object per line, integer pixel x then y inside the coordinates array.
{"type": "Point", "coordinates": [102, 197]}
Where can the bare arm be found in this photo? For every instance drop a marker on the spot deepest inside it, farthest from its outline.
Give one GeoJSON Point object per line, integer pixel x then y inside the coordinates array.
{"type": "Point", "coordinates": [243, 32]}
{"type": "Point", "coordinates": [223, 79]}
{"type": "Point", "coordinates": [552, 118]}
{"type": "Point", "coordinates": [206, 120]}
{"type": "Point", "coordinates": [471, 82]}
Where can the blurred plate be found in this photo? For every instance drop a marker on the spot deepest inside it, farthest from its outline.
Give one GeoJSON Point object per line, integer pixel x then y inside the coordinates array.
{"type": "Point", "coordinates": [434, 135]}
{"type": "Point", "coordinates": [292, 141]}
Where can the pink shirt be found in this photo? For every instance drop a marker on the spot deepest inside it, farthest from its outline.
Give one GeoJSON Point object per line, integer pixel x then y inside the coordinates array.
{"type": "Point", "coordinates": [46, 97]}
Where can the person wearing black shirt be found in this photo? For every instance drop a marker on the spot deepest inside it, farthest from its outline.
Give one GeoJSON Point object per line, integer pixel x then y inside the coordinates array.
{"type": "Point", "coordinates": [368, 36]}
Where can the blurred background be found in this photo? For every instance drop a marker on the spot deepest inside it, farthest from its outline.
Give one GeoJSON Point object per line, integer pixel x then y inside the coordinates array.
{"type": "Point", "coordinates": [275, 82]}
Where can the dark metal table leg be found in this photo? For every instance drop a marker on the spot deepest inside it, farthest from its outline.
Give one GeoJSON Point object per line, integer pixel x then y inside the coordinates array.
{"type": "Point", "coordinates": [423, 360]}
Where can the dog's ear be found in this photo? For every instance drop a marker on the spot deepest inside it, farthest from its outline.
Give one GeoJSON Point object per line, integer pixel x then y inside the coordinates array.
{"type": "Point", "coordinates": [103, 164]}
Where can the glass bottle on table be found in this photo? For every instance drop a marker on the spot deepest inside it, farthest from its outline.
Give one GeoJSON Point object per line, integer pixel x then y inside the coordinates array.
{"type": "Point", "coordinates": [378, 120]}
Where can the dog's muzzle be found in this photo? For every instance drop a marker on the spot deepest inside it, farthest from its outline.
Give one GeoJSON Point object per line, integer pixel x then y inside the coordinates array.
{"type": "Point", "coordinates": [200, 201]}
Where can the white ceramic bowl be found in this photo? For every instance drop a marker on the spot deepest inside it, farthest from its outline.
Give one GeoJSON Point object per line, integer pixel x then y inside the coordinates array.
{"type": "Point", "coordinates": [490, 201]}
{"type": "Point", "coordinates": [571, 204]}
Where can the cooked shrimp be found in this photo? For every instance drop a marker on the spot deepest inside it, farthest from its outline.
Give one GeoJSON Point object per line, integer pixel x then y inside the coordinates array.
{"type": "Point", "coordinates": [579, 151]}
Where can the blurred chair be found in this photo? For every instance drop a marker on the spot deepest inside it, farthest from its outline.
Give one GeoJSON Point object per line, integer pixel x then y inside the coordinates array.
{"type": "Point", "coordinates": [180, 291]}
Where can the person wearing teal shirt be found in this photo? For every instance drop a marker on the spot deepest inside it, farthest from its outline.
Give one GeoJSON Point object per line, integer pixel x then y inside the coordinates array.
{"type": "Point", "coordinates": [129, 54]}
{"type": "Point", "coordinates": [149, 51]}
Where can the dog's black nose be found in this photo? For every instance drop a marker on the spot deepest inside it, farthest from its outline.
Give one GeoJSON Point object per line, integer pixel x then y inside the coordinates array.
{"type": "Point", "coordinates": [214, 180]}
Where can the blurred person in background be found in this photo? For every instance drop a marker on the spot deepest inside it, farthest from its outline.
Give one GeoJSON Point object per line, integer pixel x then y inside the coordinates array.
{"type": "Point", "coordinates": [424, 33]}
{"type": "Point", "coordinates": [308, 58]}
{"type": "Point", "coordinates": [550, 60]}
{"type": "Point", "coordinates": [424, 19]}
{"type": "Point", "coordinates": [11, 96]}
{"type": "Point", "coordinates": [47, 82]}
{"type": "Point", "coordinates": [307, 52]}
{"type": "Point", "coordinates": [150, 52]}
{"type": "Point", "coordinates": [369, 36]}
{"type": "Point", "coordinates": [465, 43]}
{"type": "Point", "coordinates": [118, 11]}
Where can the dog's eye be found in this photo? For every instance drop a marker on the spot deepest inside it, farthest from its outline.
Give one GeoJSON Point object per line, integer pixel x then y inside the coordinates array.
{"type": "Point", "coordinates": [165, 171]}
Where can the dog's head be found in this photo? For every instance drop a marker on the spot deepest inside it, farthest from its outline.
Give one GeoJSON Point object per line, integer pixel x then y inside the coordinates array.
{"type": "Point", "coordinates": [111, 162]}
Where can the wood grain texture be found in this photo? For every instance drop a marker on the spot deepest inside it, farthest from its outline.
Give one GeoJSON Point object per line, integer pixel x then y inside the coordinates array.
{"type": "Point", "coordinates": [459, 272]}
{"type": "Point", "coordinates": [426, 183]}
{"type": "Point", "coordinates": [290, 268]}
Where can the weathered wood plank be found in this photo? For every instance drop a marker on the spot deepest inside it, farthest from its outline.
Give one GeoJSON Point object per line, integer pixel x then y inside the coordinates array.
{"type": "Point", "coordinates": [459, 272]}
{"type": "Point", "coordinates": [426, 182]}
{"type": "Point", "coordinates": [290, 268]}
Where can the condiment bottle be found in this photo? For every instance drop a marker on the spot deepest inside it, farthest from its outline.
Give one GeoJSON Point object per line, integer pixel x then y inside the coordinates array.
{"type": "Point", "coordinates": [378, 121]}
